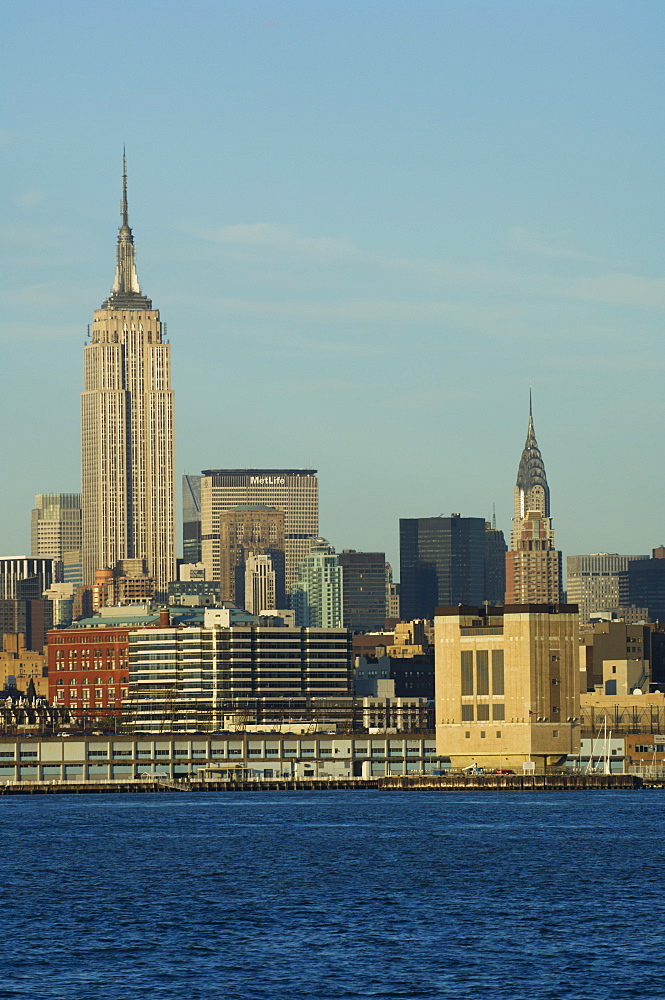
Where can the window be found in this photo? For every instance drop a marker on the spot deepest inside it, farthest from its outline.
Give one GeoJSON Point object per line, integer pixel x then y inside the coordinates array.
{"type": "Point", "coordinates": [555, 733]}
{"type": "Point", "coordinates": [467, 671]}
{"type": "Point", "coordinates": [482, 734]}
{"type": "Point", "coordinates": [498, 712]}
{"type": "Point", "coordinates": [497, 671]}
{"type": "Point", "coordinates": [467, 735]}
{"type": "Point", "coordinates": [482, 672]}
{"type": "Point", "coordinates": [483, 713]}
{"type": "Point", "coordinates": [467, 713]}
{"type": "Point", "coordinates": [498, 734]}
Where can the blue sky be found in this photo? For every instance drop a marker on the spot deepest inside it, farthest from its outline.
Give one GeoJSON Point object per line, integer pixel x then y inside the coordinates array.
{"type": "Point", "coordinates": [369, 227]}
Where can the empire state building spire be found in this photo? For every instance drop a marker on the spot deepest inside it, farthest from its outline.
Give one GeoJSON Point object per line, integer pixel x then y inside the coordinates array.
{"type": "Point", "coordinates": [126, 293]}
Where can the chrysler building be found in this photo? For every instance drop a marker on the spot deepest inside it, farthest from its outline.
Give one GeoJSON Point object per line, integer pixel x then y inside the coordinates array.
{"type": "Point", "coordinates": [127, 428]}
{"type": "Point", "coordinates": [533, 565]}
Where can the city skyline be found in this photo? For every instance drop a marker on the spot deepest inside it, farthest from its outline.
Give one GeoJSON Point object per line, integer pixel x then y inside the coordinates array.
{"type": "Point", "coordinates": [357, 293]}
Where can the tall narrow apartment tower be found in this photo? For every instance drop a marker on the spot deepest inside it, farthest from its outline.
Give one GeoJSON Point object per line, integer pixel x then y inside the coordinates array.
{"type": "Point", "coordinates": [127, 428]}
{"type": "Point", "coordinates": [533, 565]}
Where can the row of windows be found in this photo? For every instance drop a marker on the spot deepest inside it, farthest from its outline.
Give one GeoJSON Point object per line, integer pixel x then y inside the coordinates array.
{"type": "Point", "coordinates": [482, 713]}
{"type": "Point", "coordinates": [482, 672]}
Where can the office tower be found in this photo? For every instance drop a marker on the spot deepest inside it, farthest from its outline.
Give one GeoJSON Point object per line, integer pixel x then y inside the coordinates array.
{"type": "Point", "coordinates": [30, 617]}
{"type": "Point", "coordinates": [23, 609]}
{"type": "Point", "coordinates": [364, 589]}
{"type": "Point", "coordinates": [247, 528]}
{"type": "Point", "coordinates": [598, 582]}
{"type": "Point", "coordinates": [232, 675]}
{"type": "Point", "coordinates": [533, 565]}
{"type": "Point", "coordinates": [294, 491]}
{"type": "Point", "coordinates": [645, 580]}
{"type": "Point", "coordinates": [392, 595]}
{"type": "Point", "coordinates": [507, 685]}
{"type": "Point", "coordinates": [56, 533]}
{"type": "Point", "coordinates": [495, 563]}
{"type": "Point", "coordinates": [442, 561]}
{"type": "Point", "coordinates": [191, 519]}
{"type": "Point", "coordinates": [127, 429]}
{"type": "Point", "coordinates": [25, 577]}
{"type": "Point", "coordinates": [318, 595]}
{"type": "Point", "coordinates": [260, 583]}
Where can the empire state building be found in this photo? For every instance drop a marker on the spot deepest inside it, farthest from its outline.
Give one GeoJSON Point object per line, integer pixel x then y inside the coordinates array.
{"type": "Point", "coordinates": [127, 428]}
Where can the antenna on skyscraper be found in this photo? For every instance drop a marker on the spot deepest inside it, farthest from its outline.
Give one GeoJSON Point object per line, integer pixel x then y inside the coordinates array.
{"type": "Point", "coordinates": [494, 516]}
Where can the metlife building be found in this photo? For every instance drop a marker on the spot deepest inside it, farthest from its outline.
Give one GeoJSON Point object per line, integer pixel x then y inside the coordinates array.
{"type": "Point", "coordinates": [295, 491]}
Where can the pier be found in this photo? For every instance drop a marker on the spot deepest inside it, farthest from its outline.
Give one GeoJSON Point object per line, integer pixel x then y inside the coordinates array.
{"type": "Point", "coordinates": [397, 783]}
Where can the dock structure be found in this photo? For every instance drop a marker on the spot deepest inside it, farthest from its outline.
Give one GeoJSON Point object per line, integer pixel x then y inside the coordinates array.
{"type": "Point", "coordinates": [398, 783]}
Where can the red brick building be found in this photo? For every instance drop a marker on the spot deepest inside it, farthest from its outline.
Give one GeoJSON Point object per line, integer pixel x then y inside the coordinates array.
{"type": "Point", "coordinates": [88, 668]}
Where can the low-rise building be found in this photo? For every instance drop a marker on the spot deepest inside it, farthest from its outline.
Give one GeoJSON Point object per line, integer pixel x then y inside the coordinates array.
{"type": "Point", "coordinates": [192, 678]}
{"type": "Point", "coordinates": [216, 756]}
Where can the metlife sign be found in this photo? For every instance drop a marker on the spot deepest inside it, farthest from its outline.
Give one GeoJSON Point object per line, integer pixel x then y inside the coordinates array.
{"type": "Point", "coordinates": [267, 481]}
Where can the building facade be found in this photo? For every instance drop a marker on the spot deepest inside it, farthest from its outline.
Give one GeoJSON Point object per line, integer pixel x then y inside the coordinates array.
{"type": "Point", "coordinates": [26, 577]}
{"type": "Point", "coordinates": [128, 757]}
{"type": "Point", "coordinates": [242, 531]}
{"type": "Point", "coordinates": [191, 519]}
{"type": "Point", "coordinates": [442, 561]}
{"type": "Point", "coordinates": [293, 491]}
{"type": "Point", "coordinates": [507, 685]}
{"type": "Point", "coordinates": [645, 584]}
{"type": "Point", "coordinates": [364, 590]}
{"type": "Point", "coordinates": [213, 677]}
{"type": "Point", "coordinates": [533, 565]}
{"type": "Point", "coordinates": [56, 533]}
{"type": "Point", "coordinates": [127, 498]}
{"type": "Point", "coordinates": [318, 595]}
{"type": "Point", "coordinates": [260, 583]}
{"type": "Point", "coordinates": [598, 582]}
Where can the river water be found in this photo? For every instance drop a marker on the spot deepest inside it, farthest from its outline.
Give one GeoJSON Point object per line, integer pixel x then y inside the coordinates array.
{"type": "Point", "coordinates": [331, 895]}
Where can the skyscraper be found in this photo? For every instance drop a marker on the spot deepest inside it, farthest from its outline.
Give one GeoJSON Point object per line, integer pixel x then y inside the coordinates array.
{"type": "Point", "coordinates": [533, 565]}
{"type": "Point", "coordinates": [295, 491]}
{"type": "Point", "coordinates": [248, 529]}
{"type": "Point", "coordinates": [442, 562]}
{"type": "Point", "coordinates": [364, 586]}
{"type": "Point", "coordinates": [127, 428]}
{"type": "Point", "coordinates": [318, 596]}
{"type": "Point", "coordinates": [598, 582]}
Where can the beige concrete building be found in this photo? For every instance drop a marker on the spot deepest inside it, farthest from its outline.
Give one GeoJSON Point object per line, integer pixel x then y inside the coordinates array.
{"type": "Point", "coordinates": [507, 687]}
{"type": "Point", "coordinates": [127, 498]}
{"type": "Point", "coordinates": [614, 642]}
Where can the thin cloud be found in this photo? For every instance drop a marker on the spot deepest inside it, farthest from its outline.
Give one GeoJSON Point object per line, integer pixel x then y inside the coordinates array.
{"type": "Point", "coordinates": [621, 289]}
{"type": "Point", "coordinates": [525, 241]}
{"type": "Point", "coordinates": [28, 198]}
{"type": "Point", "coordinates": [284, 239]}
